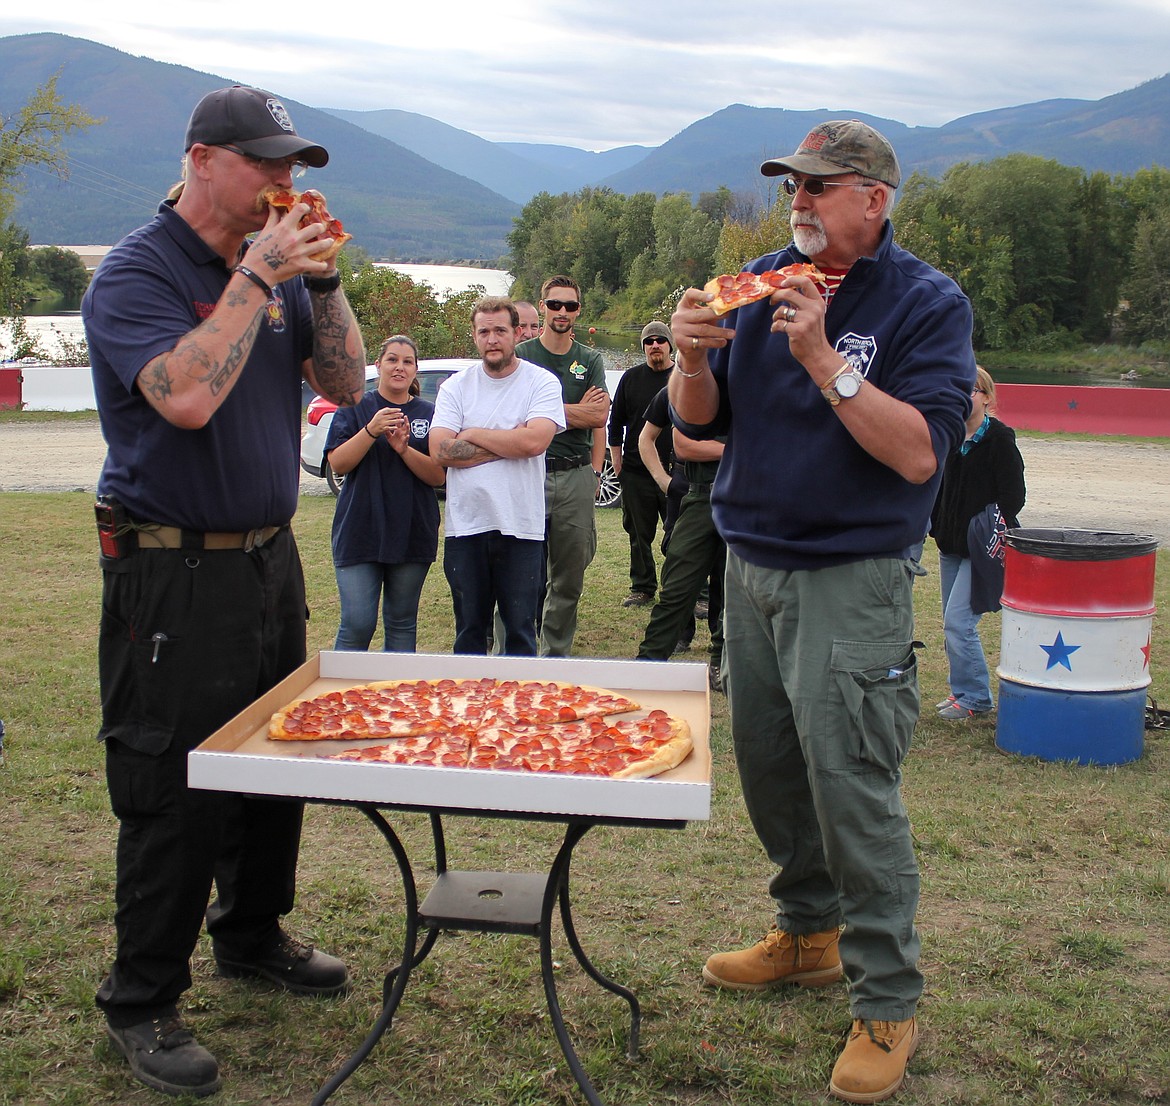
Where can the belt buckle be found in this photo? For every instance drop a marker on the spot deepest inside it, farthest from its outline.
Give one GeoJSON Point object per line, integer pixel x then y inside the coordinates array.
{"type": "Point", "coordinates": [253, 539]}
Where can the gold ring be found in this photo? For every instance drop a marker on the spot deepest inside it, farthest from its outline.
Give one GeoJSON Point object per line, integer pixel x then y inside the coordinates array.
{"type": "Point", "coordinates": [694, 343]}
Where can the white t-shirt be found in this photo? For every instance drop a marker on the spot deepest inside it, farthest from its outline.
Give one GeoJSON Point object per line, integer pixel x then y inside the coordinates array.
{"type": "Point", "coordinates": [508, 494]}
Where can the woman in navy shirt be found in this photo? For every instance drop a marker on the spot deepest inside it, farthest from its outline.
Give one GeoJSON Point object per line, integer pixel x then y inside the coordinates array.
{"type": "Point", "coordinates": [386, 527]}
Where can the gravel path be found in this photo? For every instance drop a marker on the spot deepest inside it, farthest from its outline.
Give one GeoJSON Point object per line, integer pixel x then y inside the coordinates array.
{"type": "Point", "coordinates": [1092, 485]}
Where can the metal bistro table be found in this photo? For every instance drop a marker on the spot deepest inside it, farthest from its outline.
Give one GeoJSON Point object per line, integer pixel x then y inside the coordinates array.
{"type": "Point", "coordinates": [240, 758]}
{"type": "Point", "coordinates": [492, 902]}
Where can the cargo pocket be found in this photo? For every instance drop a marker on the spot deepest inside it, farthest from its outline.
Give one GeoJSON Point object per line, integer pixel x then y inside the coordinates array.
{"type": "Point", "coordinates": [878, 688]}
{"type": "Point", "coordinates": [144, 620]}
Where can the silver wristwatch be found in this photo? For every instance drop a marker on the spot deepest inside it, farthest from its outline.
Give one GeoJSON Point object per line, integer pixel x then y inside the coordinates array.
{"type": "Point", "coordinates": [845, 383]}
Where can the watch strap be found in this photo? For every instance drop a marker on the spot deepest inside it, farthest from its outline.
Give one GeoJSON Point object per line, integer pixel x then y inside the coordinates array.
{"type": "Point", "coordinates": [829, 388]}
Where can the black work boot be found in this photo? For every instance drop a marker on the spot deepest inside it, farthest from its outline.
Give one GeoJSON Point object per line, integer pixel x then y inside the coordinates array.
{"type": "Point", "coordinates": [164, 1056]}
{"type": "Point", "coordinates": [290, 964]}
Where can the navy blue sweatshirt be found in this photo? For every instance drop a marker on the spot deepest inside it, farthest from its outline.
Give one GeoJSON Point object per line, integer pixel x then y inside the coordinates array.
{"type": "Point", "coordinates": [794, 490]}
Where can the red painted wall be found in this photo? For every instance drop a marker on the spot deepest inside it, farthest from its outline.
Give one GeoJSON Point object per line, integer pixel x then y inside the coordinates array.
{"type": "Point", "coordinates": [1140, 412]}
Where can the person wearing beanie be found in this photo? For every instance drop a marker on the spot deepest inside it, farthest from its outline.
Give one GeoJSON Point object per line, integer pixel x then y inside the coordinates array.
{"type": "Point", "coordinates": [643, 501]}
{"type": "Point", "coordinates": [840, 406]}
{"type": "Point", "coordinates": [199, 339]}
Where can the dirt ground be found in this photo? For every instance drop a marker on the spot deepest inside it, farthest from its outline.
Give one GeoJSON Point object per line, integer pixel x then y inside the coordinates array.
{"type": "Point", "coordinates": [1091, 485]}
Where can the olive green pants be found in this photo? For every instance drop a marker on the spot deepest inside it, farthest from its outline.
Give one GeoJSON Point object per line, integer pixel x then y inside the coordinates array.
{"type": "Point", "coordinates": [822, 683]}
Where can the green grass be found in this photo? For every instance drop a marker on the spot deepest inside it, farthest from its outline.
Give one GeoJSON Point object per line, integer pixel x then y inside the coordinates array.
{"type": "Point", "coordinates": [1045, 912]}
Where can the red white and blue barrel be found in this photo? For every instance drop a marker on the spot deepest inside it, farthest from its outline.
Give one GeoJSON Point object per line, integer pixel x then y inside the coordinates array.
{"type": "Point", "coordinates": [1074, 661]}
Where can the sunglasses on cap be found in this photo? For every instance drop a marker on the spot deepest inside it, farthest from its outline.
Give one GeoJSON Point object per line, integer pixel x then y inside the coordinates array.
{"type": "Point", "coordinates": [562, 305]}
{"type": "Point", "coordinates": [655, 340]}
{"type": "Point", "coordinates": [814, 186]}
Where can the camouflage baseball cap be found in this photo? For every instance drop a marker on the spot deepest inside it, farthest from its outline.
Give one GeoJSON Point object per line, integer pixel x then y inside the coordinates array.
{"type": "Point", "coordinates": [840, 146]}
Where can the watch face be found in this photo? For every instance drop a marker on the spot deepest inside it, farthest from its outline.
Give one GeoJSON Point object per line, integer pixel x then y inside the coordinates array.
{"type": "Point", "coordinates": [849, 385]}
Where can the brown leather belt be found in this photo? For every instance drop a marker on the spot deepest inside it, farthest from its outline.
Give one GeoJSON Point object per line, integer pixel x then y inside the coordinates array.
{"type": "Point", "coordinates": [151, 536]}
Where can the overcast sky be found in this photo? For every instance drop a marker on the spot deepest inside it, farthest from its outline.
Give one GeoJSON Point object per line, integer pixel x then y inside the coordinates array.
{"type": "Point", "coordinates": [604, 73]}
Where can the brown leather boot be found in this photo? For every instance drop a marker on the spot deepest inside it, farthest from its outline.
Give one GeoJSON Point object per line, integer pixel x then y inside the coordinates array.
{"type": "Point", "coordinates": [872, 1066]}
{"type": "Point", "coordinates": [808, 960]}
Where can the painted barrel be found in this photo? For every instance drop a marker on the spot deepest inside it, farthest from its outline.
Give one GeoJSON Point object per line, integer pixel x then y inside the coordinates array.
{"type": "Point", "coordinates": [1074, 662]}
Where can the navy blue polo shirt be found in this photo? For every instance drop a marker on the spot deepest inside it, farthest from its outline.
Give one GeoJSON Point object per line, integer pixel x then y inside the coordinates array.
{"type": "Point", "coordinates": [385, 514]}
{"type": "Point", "coordinates": [238, 472]}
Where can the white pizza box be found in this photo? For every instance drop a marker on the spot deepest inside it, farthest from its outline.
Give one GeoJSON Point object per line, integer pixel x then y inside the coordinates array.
{"type": "Point", "coordinates": [239, 756]}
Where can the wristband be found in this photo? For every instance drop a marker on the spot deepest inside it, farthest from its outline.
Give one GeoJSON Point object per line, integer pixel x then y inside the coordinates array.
{"type": "Point", "coordinates": [256, 279]}
{"type": "Point", "coordinates": [323, 284]}
{"type": "Point", "coordinates": [367, 430]}
{"type": "Point", "coordinates": [689, 376]}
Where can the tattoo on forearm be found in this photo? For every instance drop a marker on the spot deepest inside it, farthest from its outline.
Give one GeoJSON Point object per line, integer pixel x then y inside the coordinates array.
{"type": "Point", "coordinates": [236, 355]}
{"type": "Point", "coordinates": [338, 357]}
{"type": "Point", "coordinates": [453, 449]}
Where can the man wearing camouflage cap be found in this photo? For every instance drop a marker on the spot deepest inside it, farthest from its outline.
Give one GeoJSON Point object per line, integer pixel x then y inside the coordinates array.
{"type": "Point", "coordinates": [840, 404]}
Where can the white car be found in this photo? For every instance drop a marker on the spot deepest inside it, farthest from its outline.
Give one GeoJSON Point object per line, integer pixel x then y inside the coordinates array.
{"type": "Point", "coordinates": [432, 371]}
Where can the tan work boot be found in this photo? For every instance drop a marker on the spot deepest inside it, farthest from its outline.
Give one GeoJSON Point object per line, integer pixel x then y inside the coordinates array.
{"type": "Point", "coordinates": [873, 1065]}
{"type": "Point", "coordinates": [808, 960]}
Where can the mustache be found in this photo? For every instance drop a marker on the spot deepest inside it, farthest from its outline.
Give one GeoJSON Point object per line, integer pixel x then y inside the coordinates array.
{"type": "Point", "coordinates": [806, 219]}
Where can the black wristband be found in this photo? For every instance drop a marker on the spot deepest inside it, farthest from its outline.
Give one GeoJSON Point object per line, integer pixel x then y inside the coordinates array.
{"type": "Point", "coordinates": [256, 279]}
{"type": "Point", "coordinates": [370, 432]}
{"type": "Point", "coordinates": [323, 284]}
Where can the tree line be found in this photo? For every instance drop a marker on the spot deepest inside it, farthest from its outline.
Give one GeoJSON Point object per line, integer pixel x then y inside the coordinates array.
{"type": "Point", "coordinates": [1051, 257]}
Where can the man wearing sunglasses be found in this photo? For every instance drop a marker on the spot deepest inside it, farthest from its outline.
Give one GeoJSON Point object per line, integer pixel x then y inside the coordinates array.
{"type": "Point", "coordinates": [643, 502]}
{"type": "Point", "coordinates": [199, 339]}
{"type": "Point", "coordinates": [571, 473]}
{"type": "Point", "coordinates": [839, 409]}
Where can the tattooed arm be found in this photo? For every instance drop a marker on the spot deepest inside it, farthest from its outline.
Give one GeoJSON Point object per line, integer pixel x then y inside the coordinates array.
{"type": "Point", "coordinates": [189, 383]}
{"type": "Point", "coordinates": [337, 368]}
{"type": "Point", "coordinates": [455, 453]}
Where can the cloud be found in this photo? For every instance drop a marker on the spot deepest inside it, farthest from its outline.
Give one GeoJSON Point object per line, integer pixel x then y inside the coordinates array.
{"type": "Point", "coordinates": [613, 73]}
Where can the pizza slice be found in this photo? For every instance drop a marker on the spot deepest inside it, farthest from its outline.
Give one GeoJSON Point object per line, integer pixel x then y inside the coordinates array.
{"type": "Point", "coordinates": [447, 749]}
{"type": "Point", "coordinates": [537, 702]}
{"type": "Point", "coordinates": [732, 291]}
{"type": "Point", "coordinates": [284, 199]}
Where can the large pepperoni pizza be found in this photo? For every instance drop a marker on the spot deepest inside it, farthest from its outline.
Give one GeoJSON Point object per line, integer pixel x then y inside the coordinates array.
{"type": "Point", "coordinates": [510, 725]}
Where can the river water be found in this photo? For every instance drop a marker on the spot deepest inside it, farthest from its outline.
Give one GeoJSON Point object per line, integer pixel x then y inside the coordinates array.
{"type": "Point", "coordinates": [56, 331]}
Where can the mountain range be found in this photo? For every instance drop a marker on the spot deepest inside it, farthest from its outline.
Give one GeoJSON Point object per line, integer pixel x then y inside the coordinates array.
{"type": "Point", "coordinates": [409, 187]}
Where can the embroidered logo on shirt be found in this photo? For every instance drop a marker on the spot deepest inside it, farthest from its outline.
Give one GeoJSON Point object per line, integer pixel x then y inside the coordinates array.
{"type": "Point", "coordinates": [858, 351]}
{"type": "Point", "coordinates": [577, 370]}
{"type": "Point", "coordinates": [420, 428]}
{"type": "Point", "coordinates": [203, 310]}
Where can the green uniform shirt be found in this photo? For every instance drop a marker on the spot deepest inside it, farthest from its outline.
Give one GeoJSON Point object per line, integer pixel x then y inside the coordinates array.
{"type": "Point", "coordinates": [578, 370]}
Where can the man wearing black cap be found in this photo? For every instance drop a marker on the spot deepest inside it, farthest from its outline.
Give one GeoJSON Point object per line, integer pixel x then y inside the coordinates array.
{"type": "Point", "coordinates": [839, 409]}
{"type": "Point", "coordinates": [643, 502]}
{"type": "Point", "coordinates": [199, 339]}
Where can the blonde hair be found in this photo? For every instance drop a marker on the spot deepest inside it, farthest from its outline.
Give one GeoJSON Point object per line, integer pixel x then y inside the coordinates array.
{"type": "Point", "coordinates": [986, 385]}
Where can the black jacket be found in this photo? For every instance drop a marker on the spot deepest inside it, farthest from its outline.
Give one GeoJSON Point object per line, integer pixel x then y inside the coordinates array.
{"type": "Point", "coordinates": [991, 472]}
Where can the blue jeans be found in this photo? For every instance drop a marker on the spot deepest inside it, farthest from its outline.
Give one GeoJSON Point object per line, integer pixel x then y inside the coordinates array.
{"type": "Point", "coordinates": [492, 570]}
{"type": "Point", "coordinates": [969, 679]}
{"type": "Point", "coordinates": [399, 586]}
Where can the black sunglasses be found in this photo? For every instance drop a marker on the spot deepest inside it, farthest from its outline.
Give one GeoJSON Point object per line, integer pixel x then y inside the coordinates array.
{"type": "Point", "coordinates": [814, 186]}
{"type": "Point", "coordinates": [654, 340]}
{"type": "Point", "coordinates": [562, 305]}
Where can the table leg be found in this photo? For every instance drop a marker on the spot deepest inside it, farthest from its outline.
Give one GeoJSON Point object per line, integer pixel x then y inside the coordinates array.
{"type": "Point", "coordinates": [395, 982]}
{"type": "Point", "coordinates": [556, 889]}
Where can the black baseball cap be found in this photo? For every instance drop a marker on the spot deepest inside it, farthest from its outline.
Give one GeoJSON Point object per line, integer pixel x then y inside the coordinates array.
{"type": "Point", "coordinates": [255, 121]}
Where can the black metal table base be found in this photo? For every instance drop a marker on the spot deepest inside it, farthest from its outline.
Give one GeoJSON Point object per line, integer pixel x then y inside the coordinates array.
{"type": "Point", "coordinates": [487, 902]}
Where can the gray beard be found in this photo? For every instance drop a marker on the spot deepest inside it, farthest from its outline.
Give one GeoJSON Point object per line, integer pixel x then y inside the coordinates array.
{"type": "Point", "coordinates": [810, 242]}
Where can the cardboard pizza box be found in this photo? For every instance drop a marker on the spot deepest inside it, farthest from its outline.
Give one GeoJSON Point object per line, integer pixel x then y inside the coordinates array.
{"type": "Point", "coordinates": [239, 756]}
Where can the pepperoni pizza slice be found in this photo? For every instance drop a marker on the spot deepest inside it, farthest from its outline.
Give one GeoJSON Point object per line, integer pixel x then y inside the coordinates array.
{"type": "Point", "coordinates": [736, 290]}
